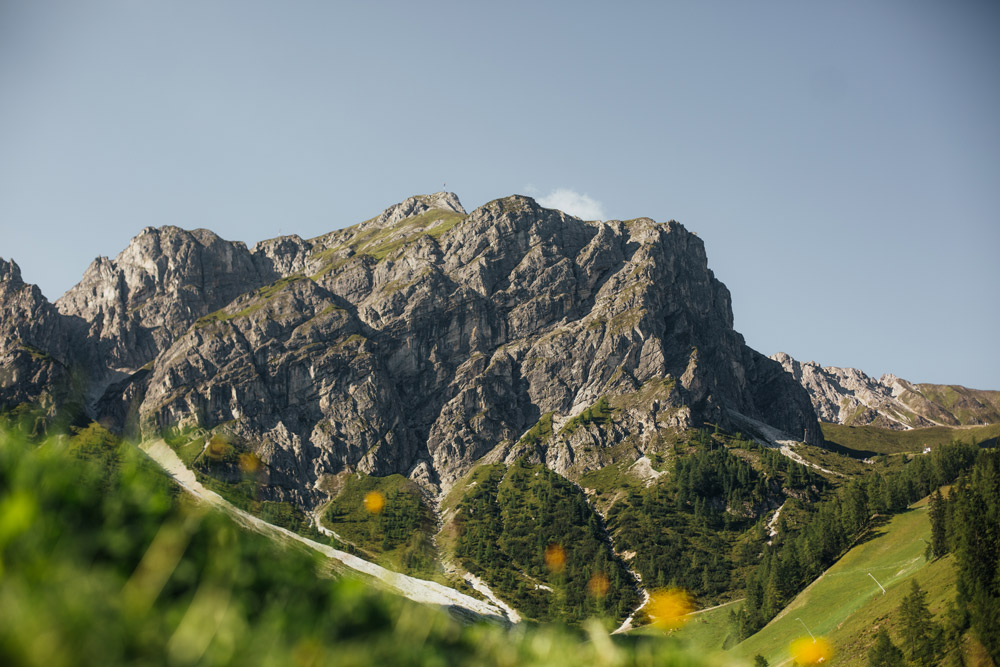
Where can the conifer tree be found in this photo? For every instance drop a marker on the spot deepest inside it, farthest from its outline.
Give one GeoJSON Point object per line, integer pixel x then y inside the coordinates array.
{"type": "Point", "coordinates": [884, 653]}
{"type": "Point", "coordinates": [939, 528]}
{"type": "Point", "coordinates": [975, 503]}
{"type": "Point", "coordinates": [919, 631]}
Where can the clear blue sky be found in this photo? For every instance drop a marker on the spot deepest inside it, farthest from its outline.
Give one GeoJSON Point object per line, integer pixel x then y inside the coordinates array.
{"type": "Point", "coordinates": [841, 160]}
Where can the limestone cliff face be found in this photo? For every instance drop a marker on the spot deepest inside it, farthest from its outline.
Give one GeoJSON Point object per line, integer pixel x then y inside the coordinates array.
{"type": "Point", "coordinates": [849, 396]}
{"type": "Point", "coordinates": [425, 339]}
{"type": "Point", "coordinates": [35, 345]}
{"type": "Point", "coordinates": [136, 304]}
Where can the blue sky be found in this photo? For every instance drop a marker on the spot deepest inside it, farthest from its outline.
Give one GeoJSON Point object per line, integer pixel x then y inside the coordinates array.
{"type": "Point", "coordinates": [840, 160]}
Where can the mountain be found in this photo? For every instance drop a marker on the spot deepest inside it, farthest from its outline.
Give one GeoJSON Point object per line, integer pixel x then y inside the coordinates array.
{"type": "Point", "coordinates": [35, 346]}
{"type": "Point", "coordinates": [848, 396]}
{"type": "Point", "coordinates": [552, 414]}
{"type": "Point", "coordinates": [416, 342]}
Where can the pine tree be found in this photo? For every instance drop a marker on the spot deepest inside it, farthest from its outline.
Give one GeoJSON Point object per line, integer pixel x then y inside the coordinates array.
{"type": "Point", "coordinates": [975, 504]}
{"type": "Point", "coordinates": [884, 653]}
{"type": "Point", "coordinates": [939, 528]}
{"type": "Point", "coordinates": [919, 631]}
{"type": "Point", "coordinates": [772, 593]}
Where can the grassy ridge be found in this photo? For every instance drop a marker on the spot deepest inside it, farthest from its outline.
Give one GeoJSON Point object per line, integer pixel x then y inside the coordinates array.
{"type": "Point", "coordinates": [967, 406]}
{"type": "Point", "coordinates": [871, 440]}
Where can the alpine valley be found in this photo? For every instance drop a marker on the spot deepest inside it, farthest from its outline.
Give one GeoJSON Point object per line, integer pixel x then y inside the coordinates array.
{"type": "Point", "coordinates": [526, 417]}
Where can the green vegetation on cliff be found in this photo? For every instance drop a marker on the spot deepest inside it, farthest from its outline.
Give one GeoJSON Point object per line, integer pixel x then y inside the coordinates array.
{"type": "Point", "coordinates": [700, 527]}
{"type": "Point", "coordinates": [530, 534]}
{"type": "Point", "coordinates": [393, 526]}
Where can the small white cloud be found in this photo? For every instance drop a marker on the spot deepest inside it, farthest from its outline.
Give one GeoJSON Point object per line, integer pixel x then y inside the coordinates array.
{"type": "Point", "coordinates": [581, 205]}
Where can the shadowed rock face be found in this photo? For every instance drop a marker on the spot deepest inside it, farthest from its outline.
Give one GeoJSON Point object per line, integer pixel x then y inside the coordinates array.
{"type": "Point", "coordinates": [35, 345]}
{"type": "Point", "coordinates": [425, 339]}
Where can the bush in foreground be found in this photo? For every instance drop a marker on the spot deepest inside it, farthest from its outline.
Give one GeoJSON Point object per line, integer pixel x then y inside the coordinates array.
{"type": "Point", "coordinates": [103, 561]}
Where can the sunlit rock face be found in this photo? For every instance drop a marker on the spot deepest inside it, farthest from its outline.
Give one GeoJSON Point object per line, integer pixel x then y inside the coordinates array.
{"type": "Point", "coordinates": [138, 303]}
{"type": "Point", "coordinates": [425, 339]}
{"type": "Point", "coordinates": [36, 345]}
{"type": "Point", "coordinates": [849, 396]}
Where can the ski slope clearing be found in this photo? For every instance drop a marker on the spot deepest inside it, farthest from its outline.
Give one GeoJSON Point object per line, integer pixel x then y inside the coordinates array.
{"type": "Point", "coordinates": [846, 605]}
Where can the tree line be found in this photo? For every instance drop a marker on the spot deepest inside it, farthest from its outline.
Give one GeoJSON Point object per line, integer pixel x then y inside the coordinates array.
{"type": "Point", "coordinates": [967, 524]}
{"type": "Point", "coordinates": [699, 528]}
{"type": "Point", "coordinates": [532, 536]}
{"type": "Point", "coordinates": [832, 526]}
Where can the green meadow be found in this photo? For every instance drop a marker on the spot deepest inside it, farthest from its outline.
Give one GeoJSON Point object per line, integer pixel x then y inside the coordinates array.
{"type": "Point", "coordinates": [846, 605]}
{"type": "Point", "coordinates": [870, 440]}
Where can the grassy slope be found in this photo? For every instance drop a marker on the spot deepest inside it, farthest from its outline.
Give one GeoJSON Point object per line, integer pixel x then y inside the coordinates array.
{"type": "Point", "coordinates": [868, 440]}
{"type": "Point", "coordinates": [846, 606]}
{"type": "Point", "coordinates": [964, 404]}
{"type": "Point", "coordinates": [708, 629]}
{"type": "Point", "coordinates": [399, 537]}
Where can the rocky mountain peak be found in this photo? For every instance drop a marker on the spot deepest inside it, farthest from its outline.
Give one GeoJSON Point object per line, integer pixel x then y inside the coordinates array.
{"type": "Point", "coordinates": [432, 337]}
{"type": "Point", "coordinates": [897, 385]}
{"type": "Point", "coordinates": [166, 278]}
{"type": "Point", "coordinates": [10, 274]}
{"type": "Point", "coordinates": [414, 206]}
{"type": "Point", "coordinates": [36, 344]}
{"type": "Point", "coordinates": [424, 340]}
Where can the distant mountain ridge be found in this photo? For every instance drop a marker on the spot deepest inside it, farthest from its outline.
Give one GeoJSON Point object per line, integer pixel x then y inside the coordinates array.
{"type": "Point", "coordinates": [416, 342]}
{"type": "Point", "coordinates": [849, 396]}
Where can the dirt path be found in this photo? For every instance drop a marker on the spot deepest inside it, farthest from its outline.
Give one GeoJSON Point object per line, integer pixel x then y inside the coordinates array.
{"type": "Point", "coordinates": [418, 590]}
{"type": "Point", "coordinates": [702, 611]}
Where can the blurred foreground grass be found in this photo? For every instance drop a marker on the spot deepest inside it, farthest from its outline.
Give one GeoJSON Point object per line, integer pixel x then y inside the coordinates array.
{"type": "Point", "coordinates": [104, 561]}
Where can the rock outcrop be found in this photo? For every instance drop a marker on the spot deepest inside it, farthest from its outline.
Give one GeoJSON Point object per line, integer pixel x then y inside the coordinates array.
{"type": "Point", "coordinates": [138, 303]}
{"type": "Point", "coordinates": [423, 340]}
{"type": "Point", "coordinates": [849, 396]}
{"type": "Point", "coordinates": [35, 346]}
